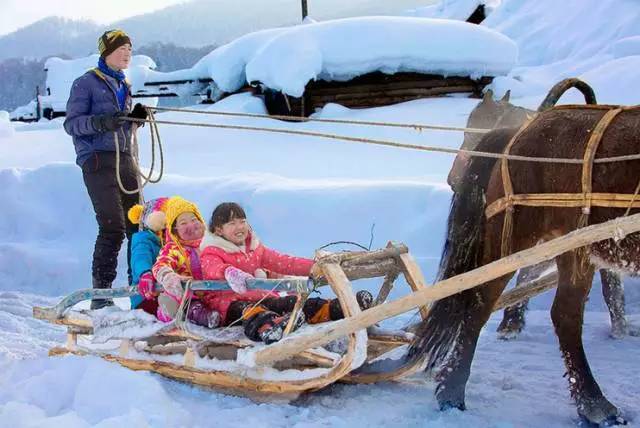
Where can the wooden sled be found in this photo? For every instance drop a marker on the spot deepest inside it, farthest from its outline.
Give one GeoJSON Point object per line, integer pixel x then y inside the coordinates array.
{"type": "Point", "coordinates": [212, 359]}
{"type": "Point", "coordinates": [299, 363]}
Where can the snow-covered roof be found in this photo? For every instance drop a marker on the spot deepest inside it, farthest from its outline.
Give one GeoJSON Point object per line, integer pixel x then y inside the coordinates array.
{"type": "Point", "coordinates": [287, 59]}
{"type": "Point", "coordinates": [61, 73]}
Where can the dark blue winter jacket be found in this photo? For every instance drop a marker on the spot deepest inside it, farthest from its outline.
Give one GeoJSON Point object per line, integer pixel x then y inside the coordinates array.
{"type": "Point", "coordinates": [145, 247]}
{"type": "Point", "coordinates": [95, 93]}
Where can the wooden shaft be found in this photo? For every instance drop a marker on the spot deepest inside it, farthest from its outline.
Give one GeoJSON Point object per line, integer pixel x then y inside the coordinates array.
{"type": "Point", "coordinates": [527, 291]}
{"type": "Point", "coordinates": [618, 227]}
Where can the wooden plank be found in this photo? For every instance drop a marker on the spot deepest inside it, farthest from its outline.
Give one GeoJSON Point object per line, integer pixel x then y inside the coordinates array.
{"type": "Point", "coordinates": [390, 93]}
{"type": "Point", "coordinates": [324, 334]}
{"type": "Point", "coordinates": [415, 279]}
{"type": "Point", "coordinates": [389, 86]}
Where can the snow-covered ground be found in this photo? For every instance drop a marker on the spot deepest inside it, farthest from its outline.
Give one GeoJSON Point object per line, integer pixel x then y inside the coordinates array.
{"type": "Point", "coordinates": [300, 193]}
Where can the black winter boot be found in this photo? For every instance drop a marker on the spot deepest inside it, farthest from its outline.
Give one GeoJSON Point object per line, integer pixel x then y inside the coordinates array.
{"type": "Point", "coordinates": [100, 303]}
{"type": "Point", "coordinates": [363, 297]}
{"type": "Point", "coordinates": [269, 327]}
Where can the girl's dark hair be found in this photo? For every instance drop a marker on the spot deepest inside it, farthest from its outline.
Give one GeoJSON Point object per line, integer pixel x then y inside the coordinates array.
{"type": "Point", "coordinates": [224, 213]}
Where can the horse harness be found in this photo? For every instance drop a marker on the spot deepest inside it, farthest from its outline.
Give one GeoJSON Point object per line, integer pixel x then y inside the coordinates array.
{"type": "Point", "coordinates": [586, 199]}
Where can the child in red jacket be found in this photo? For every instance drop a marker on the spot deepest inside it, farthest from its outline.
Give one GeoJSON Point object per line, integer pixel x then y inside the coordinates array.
{"type": "Point", "coordinates": [230, 250]}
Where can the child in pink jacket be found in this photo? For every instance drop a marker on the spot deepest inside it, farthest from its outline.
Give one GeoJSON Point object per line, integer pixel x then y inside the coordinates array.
{"type": "Point", "coordinates": [230, 250]}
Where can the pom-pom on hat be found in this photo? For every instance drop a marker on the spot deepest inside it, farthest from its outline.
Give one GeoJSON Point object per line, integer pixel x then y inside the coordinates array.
{"type": "Point", "coordinates": [151, 214]}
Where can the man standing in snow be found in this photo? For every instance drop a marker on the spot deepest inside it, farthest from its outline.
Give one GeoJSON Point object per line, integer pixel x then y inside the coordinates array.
{"type": "Point", "coordinates": [99, 103]}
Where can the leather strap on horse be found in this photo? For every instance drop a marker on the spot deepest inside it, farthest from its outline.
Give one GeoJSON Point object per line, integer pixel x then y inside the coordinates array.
{"type": "Point", "coordinates": [507, 226]}
{"type": "Point", "coordinates": [586, 199]}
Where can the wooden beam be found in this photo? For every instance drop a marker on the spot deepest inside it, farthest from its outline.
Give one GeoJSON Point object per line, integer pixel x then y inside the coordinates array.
{"type": "Point", "coordinates": [619, 227]}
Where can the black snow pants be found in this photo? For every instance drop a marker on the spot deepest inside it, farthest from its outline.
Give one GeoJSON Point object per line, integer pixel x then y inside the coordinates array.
{"type": "Point", "coordinates": [110, 205]}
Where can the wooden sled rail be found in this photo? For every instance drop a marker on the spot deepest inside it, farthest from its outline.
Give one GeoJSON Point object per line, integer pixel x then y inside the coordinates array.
{"type": "Point", "coordinates": [57, 311]}
{"type": "Point", "coordinates": [288, 347]}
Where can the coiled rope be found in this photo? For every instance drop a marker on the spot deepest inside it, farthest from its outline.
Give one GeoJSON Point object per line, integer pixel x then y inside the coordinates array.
{"type": "Point", "coordinates": [155, 137]}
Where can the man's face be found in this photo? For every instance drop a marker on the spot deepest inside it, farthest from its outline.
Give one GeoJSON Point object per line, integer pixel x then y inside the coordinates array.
{"type": "Point", "coordinates": [120, 58]}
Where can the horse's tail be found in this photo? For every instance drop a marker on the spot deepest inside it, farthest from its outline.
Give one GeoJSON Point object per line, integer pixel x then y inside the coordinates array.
{"type": "Point", "coordinates": [563, 86]}
{"type": "Point", "coordinates": [463, 251]}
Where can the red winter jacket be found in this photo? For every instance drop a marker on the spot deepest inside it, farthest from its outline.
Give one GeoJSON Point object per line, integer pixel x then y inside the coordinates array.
{"type": "Point", "coordinates": [216, 254]}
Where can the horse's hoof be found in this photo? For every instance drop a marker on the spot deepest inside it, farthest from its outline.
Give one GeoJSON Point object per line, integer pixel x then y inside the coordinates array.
{"type": "Point", "coordinates": [619, 330]}
{"type": "Point", "coordinates": [508, 334]}
{"type": "Point", "coordinates": [450, 400]}
{"type": "Point", "coordinates": [633, 330]}
{"type": "Point", "coordinates": [447, 405]}
{"type": "Point", "coordinates": [613, 420]}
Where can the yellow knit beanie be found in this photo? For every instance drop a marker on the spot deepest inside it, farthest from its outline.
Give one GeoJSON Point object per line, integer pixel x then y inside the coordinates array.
{"type": "Point", "coordinates": [176, 206]}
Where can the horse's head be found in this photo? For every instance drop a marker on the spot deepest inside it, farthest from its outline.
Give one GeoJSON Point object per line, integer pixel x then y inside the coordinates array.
{"type": "Point", "coordinates": [488, 114]}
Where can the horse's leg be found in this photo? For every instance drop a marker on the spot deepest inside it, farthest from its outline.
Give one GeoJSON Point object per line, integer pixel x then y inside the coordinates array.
{"type": "Point", "coordinates": [454, 373]}
{"type": "Point", "coordinates": [513, 320]}
{"type": "Point", "coordinates": [567, 314]}
{"type": "Point", "coordinates": [613, 292]}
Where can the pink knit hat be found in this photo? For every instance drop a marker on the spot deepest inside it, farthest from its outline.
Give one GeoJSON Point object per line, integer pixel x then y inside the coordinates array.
{"type": "Point", "coordinates": [151, 214]}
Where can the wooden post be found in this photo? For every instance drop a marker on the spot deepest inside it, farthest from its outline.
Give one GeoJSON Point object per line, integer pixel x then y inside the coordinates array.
{"type": "Point", "coordinates": [72, 341]}
{"type": "Point", "coordinates": [125, 345]}
{"type": "Point", "coordinates": [305, 9]}
{"type": "Point", "coordinates": [38, 104]}
{"type": "Point", "coordinates": [618, 228]}
{"type": "Point", "coordinates": [414, 277]}
{"type": "Point", "coordinates": [189, 357]}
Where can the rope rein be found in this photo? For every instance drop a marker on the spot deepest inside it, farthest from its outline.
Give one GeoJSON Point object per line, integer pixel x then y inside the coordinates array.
{"type": "Point", "coordinates": [387, 143]}
{"type": "Point", "coordinates": [416, 126]}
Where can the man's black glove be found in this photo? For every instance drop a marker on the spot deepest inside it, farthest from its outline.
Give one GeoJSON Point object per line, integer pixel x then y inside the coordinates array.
{"type": "Point", "coordinates": [109, 121]}
{"type": "Point", "coordinates": [139, 112]}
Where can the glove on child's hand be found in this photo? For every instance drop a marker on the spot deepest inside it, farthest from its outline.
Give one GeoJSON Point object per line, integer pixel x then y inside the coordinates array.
{"type": "Point", "coordinates": [237, 279]}
{"type": "Point", "coordinates": [171, 282]}
{"type": "Point", "coordinates": [147, 285]}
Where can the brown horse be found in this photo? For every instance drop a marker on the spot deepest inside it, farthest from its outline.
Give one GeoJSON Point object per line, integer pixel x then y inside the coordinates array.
{"type": "Point", "coordinates": [449, 335]}
{"type": "Point", "coordinates": [491, 114]}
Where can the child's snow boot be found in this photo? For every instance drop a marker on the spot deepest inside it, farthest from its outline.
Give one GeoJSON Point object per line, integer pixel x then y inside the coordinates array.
{"type": "Point", "coordinates": [268, 327]}
{"type": "Point", "coordinates": [200, 315]}
{"type": "Point", "coordinates": [321, 310]}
